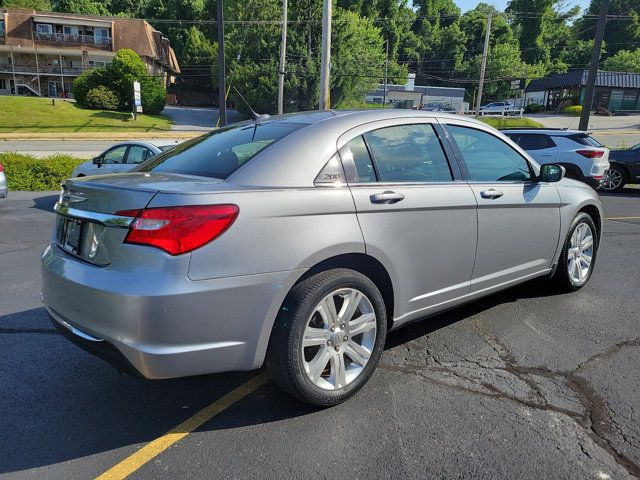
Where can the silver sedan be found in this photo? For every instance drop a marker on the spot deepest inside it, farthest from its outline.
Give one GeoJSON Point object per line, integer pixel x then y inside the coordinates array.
{"type": "Point", "coordinates": [300, 241]}
{"type": "Point", "coordinates": [119, 158]}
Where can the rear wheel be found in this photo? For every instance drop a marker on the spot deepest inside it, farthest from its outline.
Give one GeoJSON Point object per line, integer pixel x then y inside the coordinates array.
{"type": "Point", "coordinates": [328, 337]}
{"type": "Point", "coordinates": [578, 256]}
{"type": "Point", "coordinates": [614, 179]}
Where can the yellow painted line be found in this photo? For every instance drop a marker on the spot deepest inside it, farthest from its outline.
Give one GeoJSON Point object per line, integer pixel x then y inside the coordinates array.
{"type": "Point", "coordinates": [622, 218]}
{"type": "Point", "coordinates": [151, 450]}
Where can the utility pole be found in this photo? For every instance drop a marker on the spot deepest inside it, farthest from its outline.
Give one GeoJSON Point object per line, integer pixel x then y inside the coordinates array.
{"type": "Point", "coordinates": [283, 53]}
{"type": "Point", "coordinates": [485, 52]}
{"type": "Point", "coordinates": [325, 99]}
{"type": "Point", "coordinates": [593, 66]}
{"type": "Point", "coordinates": [222, 85]}
{"type": "Point", "coordinates": [386, 72]}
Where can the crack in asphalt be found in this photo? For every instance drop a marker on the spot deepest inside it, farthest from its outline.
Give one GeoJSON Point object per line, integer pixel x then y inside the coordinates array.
{"type": "Point", "coordinates": [594, 416]}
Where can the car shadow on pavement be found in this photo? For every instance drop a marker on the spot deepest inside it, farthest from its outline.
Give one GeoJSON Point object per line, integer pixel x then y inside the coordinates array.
{"type": "Point", "coordinates": [59, 403]}
{"type": "Point", "coordinates": [46, 202]}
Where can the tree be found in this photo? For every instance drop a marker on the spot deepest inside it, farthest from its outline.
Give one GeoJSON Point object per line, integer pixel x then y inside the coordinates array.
{"type": "Point", "coordinates": [83, 7]}
{"type": "Point", "coordinates": [624, 61]}
{"type": "Point", "coordinates": [577, 54]}
{"type": "Point", "coordinates": [38, 5]}
{"type": "Point", "coordinates": [618, 32]}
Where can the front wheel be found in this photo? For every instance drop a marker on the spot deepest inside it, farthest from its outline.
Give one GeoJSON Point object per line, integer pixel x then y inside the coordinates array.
{"type": "Point", "coordinates": [614, 179]}
{"type": "Point", "coordinates": [578, 255]}
{"type": "Point", "coordinates": [328, 337]}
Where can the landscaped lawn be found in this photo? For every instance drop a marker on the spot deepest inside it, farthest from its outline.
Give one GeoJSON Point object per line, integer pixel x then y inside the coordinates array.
{"type": "Point", "coordinates": [25, 114]}
{"type": "Point", "coordinates": [510, 122]}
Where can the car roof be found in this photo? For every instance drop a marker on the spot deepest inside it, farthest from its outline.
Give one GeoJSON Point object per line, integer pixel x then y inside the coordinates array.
{"type": "Point", "coordinates": [545, 131]}
{"type": "Point", "coordinates": [134, 142]}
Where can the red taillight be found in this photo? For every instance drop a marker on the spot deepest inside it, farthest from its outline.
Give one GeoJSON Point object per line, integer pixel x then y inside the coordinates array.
{"type": "Point", "coordinates": [178, 230]}
{"type": "Point", "coordinates": [591, 153]}
{"type": "Point", "coordinates": [1, 168]}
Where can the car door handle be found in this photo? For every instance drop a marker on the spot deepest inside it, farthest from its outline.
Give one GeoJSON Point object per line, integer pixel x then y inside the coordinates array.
{"type": "Point", "coordinates": [491, 193]}
{"type": "Point", "coordinates": [115, 170]}
{"type": "Point", "coordinates": [387, 197]}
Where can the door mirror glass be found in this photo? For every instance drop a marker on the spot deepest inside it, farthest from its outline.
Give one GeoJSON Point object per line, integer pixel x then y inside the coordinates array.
{"type": "Point", "coordinates": [551, 173]}
{"type": "Point", "coordinates": [97, 161]}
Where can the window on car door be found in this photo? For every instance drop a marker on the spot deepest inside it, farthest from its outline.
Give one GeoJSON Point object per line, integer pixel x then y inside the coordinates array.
{"type": "Point", "coordinates": [138, 154]}
{"type": "Point", "coordinates": [115, 155]}
{"type": "Point", "coordinates": [408, 153]}
{"type": "Point", "coordinates": [488, 158]}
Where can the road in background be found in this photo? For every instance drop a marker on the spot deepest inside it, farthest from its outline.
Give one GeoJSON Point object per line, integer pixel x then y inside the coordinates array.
{"type": "Point", "coordinates": [524, 384]}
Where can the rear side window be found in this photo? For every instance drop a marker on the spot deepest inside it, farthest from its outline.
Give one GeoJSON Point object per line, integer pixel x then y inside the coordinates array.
{"type": "Point", "coordinates": [489, 159]}
{"type": "Point", "coordinates": [584, 139]}
{"type": "Point", "coordinates": [221, 152]}
{"type": "Point", "coordinates": [529, 141]}
{"type": "Point", "coordinates": [408, 153]}
{"type": "Point", "coordinates": [357, 162]}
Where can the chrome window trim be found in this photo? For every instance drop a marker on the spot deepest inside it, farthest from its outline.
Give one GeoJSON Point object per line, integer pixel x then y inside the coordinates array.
{"type": "Point", "coordinates": [105, 219]}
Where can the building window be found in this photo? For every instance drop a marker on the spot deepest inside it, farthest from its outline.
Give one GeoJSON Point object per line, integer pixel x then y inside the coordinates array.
{"type": "Point", "coordinates": [3, 84]}
{"type": "Point", "coordinates": [1, 28]}
{"type": "Point", "coordinates": [45, 28]}
{"type": "Point", "coordinates": [102, 32]}
{"type": "Point", "coordinates": [71, 30]}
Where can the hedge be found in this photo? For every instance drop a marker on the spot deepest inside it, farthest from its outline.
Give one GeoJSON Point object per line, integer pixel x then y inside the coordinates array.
{"type": "Point", "coordinates": [573, 110]}
{"type": "Point", "coordinates": [101, 98]}
{"type": "Point", "coordinates": [26, 172]}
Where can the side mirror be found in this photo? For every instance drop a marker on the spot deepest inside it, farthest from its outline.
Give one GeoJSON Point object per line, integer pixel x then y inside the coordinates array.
{"type": "Point", "coordinates": [551, 173]}
{"type": "Point", "coordinates": [97, 161]}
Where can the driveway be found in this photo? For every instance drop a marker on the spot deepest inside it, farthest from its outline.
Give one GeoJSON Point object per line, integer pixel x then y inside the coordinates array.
{"type": "Point", "coordinates": [197, 118]}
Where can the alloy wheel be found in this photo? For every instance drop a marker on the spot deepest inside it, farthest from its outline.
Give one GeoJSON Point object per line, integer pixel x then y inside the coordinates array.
{"type": "Point", "coordinates": [339, 339]}
{"type": "Point", "coordinates": [612, 179]}
{"type": "Point", "coordinates": [580, 254]}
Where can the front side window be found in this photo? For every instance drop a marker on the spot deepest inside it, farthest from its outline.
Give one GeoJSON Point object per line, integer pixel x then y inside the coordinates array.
{"type": "Point", "coordinates": [115, 155]}
{"type": "Point", "coordinates": [221, 152]}
{"type": "Point", "coordinates": [408, 153]}
{"type": "Point", "coordinates": [138, 154]}
{"type": "Point", "coordinates": [489, 159]}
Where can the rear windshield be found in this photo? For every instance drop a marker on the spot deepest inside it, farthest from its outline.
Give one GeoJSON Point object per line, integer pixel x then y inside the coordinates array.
{"type": "Point", "coordinates": [221, 152]}
{"type": "Point", "coordinates": [584, 139]}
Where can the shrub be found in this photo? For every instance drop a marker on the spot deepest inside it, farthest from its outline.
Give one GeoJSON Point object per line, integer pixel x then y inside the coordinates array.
{"type": "Point", "coordinates": [533, 108]}
{"type": "Point", "coordinates": [573, 110]}
{"type": "Point", "coordinates": [25, 172]}
{"type": "Point", "coordinates": [101, 98]}
{"type": "Point", "coordinates": [87, 81]}
{"type": "Point", "coordinates": [154, 96]}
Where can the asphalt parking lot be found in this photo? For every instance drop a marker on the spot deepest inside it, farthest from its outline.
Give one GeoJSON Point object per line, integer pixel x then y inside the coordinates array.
{"type": "Point", "coordinates": [523, 384]}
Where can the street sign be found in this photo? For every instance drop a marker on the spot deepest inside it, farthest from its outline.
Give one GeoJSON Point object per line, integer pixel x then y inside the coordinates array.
{"type": "Point", "coordinates": [517, 84]}
{"type": "Point", "coordinates": [137, 98]}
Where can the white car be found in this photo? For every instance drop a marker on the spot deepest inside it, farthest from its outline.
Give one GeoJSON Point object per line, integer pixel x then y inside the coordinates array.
{"type": "Point", "coordinates": [497, 107]}
{"type": "Point", "coordinates": [583, 157]}
{"type": "Point", "coordinates": [119, 158]}
{"type": "Point", "coordinates": [4, 190]}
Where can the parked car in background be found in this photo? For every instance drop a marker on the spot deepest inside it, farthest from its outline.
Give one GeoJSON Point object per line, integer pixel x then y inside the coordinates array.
{"type": "Point", "coordinates": [300, 240]}
{"type": "Point", "coordinates": [4, 190]}
{"type": "Point", "coordinates": [624, 167]}
{"type": "Point", "coordinates": [437, 107]}
{"type": "Point", "coordinates": [119, 158]}
{"type": "Point", "coordinates": [579, 153]}
{"type": "Point", "coordinates": [496, 107]}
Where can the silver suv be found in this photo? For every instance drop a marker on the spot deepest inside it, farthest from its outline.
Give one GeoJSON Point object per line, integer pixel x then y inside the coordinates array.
{"type": "Point", "coordinates": [301, 240]}
{"type": "Point", "coordinates": [583, 157]}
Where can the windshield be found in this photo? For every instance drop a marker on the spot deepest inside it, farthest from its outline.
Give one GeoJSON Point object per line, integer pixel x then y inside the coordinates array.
{"type": "Point", "coordinates": [221, 152]}
{"type": "Point", "coordinates": [636, 147]}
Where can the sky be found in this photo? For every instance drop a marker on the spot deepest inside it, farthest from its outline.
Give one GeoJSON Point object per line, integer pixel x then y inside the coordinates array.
{"type": "Point", "coordinates": [501, 4]}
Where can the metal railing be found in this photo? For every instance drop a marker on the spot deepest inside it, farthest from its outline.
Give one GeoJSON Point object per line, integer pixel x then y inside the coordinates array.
{"type": "Point", "coordinates": [70, 38]}
{"type": "Point", "coordinates": [42, 69]}
{"type": "Point", "coordinates": [504, 112]}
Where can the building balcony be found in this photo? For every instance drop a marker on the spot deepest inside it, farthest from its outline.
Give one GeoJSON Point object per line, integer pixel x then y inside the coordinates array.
{"type": "Point", "coordinates": [42, 70]}
{"type": "Point", "coordinates": [65, 39]}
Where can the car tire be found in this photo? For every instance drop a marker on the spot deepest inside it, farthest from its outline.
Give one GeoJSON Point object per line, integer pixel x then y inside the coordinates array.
{"type": "Point", "coordinates": [306, 316]}
{"type": "Point", "coordinates": [615, 179]}
{"type": "Point", "coordinates": [571, 274]}
{"type": "Point", "coordinates": [80, 175]}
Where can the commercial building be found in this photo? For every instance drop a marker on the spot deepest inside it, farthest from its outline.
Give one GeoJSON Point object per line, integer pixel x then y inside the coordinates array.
{"type": "Point", "coordinates": [411, 95]}
{"type": "Point", "coordinates": [42, 53]}
{"type": "Point", "coordinates": [614, 91]}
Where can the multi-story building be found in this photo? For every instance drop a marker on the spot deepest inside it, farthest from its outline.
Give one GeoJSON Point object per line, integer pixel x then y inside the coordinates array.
{"type": "Point", "coordinates": [42, 53]}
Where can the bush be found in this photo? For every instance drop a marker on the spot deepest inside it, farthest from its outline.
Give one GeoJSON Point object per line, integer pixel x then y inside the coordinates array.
{"type": "Point", "coordinates": [154, 96]}
{"type": "Point", "coordinates": [101, 98]}
{"type": "Point", "coordinates": [87, 81]}
{"type": "Point", "coordinates": [573, 110]}
{"type": "Point", "coordinates": [533, 108]}
{"type": "Point", "coordinates": [25, 172]}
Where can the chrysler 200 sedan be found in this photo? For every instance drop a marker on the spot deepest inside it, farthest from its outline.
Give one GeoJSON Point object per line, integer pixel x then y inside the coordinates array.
{"type": "Point", "coordinates": [299, 241]}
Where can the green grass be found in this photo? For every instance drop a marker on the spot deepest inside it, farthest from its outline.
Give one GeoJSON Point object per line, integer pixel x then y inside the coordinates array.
{"type": "Point", "coordinates": [38, 115]}
{"type": "Point", "coordinates": [504, 122]}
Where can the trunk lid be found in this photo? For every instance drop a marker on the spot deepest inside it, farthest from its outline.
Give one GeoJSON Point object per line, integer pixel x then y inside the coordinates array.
{"type": "Point", "coordinates": [86, 224]}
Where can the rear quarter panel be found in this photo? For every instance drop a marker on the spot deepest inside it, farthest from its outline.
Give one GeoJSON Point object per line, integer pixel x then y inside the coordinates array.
{"type": "Point", "coordinates": [276, 230]}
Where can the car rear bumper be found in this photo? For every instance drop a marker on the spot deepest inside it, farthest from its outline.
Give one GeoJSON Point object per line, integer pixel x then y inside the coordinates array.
{"type": "Point", "coordinates": [4, 192]}
{"type": "Point", "coordinates": [165, 325]}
